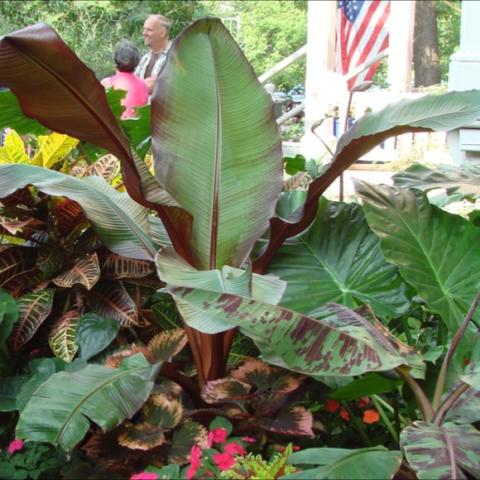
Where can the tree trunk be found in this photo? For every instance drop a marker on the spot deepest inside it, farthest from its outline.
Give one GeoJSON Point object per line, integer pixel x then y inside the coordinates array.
{"type": "Point", "coordinates": [426, 62]}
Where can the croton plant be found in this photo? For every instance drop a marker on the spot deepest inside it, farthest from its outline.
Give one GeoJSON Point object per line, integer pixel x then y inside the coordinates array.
{"type": "Point", "coordinates": [85, 260]}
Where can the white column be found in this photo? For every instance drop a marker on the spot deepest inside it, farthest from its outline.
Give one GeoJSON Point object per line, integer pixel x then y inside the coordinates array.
{"type": "Point", "coordinates": [323, 87]}
{"type": "Point", "coordinates": [401, 24]}
{"type": "Point", "coordinates": [464, 74]}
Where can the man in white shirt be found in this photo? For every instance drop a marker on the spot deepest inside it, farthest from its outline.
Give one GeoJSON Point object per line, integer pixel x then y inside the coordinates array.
{"type": "Point", "coordinates": [155, 34]}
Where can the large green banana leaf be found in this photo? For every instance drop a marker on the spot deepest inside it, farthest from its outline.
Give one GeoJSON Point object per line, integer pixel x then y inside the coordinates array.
{"type": "Point", "coordinates": [120, 222]}
{"type": "Point", "coordinates": [435, 251]}
{"type": "Point", "coordinates": [338, 259]}
{"type": "Point", "coordinates": [54, 87]}
{"type": "Point", "coordinates": [216, 144]}
{"type": "Point", "coordinates": [464, 179]}
{"type": "Point", "coordinates": [336, 342]}
{"type": "Point", "coordinates": [374, 463]}
{"type": "Point", "coordinates": [444, 452]}
{"type": "Point", "coordinates": [59, 410]}
{"type": "Point", "coordinates": [429, 113]}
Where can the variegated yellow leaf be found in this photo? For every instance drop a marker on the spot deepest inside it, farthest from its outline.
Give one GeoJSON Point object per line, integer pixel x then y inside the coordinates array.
{"type": "Point", "coordinates": [116, 266]}
{"type": "Point", "coordinates": [33, 310]}
{"type": "Point", "coordinates": [62, 336]}
{"type": "Point", "coordinates": [13, 150]}
{"type": "Point", "coordinates": [53, 148]}
{"type": "Point", "coordinates": [167, 344]}
{"type": "Point", "coordinates": [86, 272]}
{"type": "Point", "coordinates": [107, 167]}
{"type": "Point", "coordinates": [142, 436]}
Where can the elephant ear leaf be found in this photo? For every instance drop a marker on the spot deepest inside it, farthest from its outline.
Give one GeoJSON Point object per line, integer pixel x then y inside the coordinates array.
{"type": "Point", "coordinates": [54, 87]}
{"type": "Point", "coordinates": [416, 236]}
{"type": "Point", "coordinates": [106, 396]}
{"type": "Point", "coordinates": [446, 451]}
{"type": "Point", "coordinates": [463, 179]}
{"type": "Point", "coordinates": [228, 144]}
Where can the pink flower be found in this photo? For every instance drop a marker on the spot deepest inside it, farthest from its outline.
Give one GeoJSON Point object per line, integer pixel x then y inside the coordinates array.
{"type": "Point", "coordinates": [217, 435]}
{"type": "Point", "coordinates": [249, 439]}
{"type": "Point", "coordinates": [223, 461]}
{"type": "Point", "coordinates": [15, 446]}
{"type": "Point", "coordinates": [144, 476]}
{"type": "Point", "coordinates": [195, 461]}
{"type": "Point", "coordinates": [234, 449]}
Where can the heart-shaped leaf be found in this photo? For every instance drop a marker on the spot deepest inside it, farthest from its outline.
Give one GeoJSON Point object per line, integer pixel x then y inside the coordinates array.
{"type": "Point", "coordinates": [443, 266]}
{"type": "Point", "coordinates": [338, 259]}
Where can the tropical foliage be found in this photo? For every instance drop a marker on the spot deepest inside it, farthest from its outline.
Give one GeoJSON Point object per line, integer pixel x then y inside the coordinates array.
{"type": "Point", "coordinates": [344, 302]}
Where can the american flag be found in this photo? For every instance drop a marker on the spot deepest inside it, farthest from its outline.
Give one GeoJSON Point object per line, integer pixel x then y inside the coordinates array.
{"type": "Point", "coordinates": [362, 32]}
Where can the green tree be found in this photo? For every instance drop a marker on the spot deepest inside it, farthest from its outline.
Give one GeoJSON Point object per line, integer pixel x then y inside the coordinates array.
{"type": "Point", "coordinates": [93, 27]}
{"type": "Point", "coordinates": [267, 31]}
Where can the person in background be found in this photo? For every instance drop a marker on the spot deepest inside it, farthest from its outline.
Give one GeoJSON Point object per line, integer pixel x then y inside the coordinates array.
{"type": "Point", "coordinates": [155, 35]}
{"type": "Point", "coordinates": [126, 58]}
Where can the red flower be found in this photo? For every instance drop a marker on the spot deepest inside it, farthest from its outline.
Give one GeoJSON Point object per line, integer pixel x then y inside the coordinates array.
{"type": "Point", "coordinates": [295, 448]}
{"type": "Point", "coordinates": [195, 461]}
{"type": "Point", "coordinates": [249, 439]}
{"type": "Point", "coordinates": [332, 406]}
{"type": "Point", "coordinates": [223, 461]}
{"type": "Point", "coordinates": [234, 449]}
{"type": "Point", "coordinates": [371, 416]}
{"type": "Point", "coordinates": [363, 402]}
{"type": "Point", "coordinates": [15, 446]}
{"type": "Point", "coordinates": [144, 476]}
{"type": "Point", "coordinates": [217, 435]}
{"type": "Point", "coordinates": [344, 414]}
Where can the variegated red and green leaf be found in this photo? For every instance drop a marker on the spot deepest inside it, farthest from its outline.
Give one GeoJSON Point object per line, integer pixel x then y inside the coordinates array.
{"type": "Point", "coordinates": [142, 436]}
{"type": "Point", "coordinates": [33, 309]}
{"type": "Point", "coordinates": [442, 452]}
{"type": "Point", "coordinates": [190, 433]}
{"type": "Point", "coordinates": [167, 344]}
{"type": "Point", "coordinates": [163, 410]}
{"type": "Point", "coordinates": [85, 272]}
{"type": "Point", "coordinates": [13, 225]}
{"type": "Point", "coordinates": [465, 409]}
{"type": "Point", "coordinates": [116, 266]}
{"type": "Point", "coordinates": [62, 336]}
{"type": "Point", "coordinates": [110, 300]}
{"type": "Point", "coordinates": [50, 259]}
{"type": "Point", "coordinates": [312, 346]}
{"type": "Point", "coordinates": [291, 421]}
{"type": "Point", "coordinates": [107, 167]}
{"type": "Point", "coordinates": [69, 215]}
{"type": "Point", "coordinates": [233, 158]}
{"type": "Point", "coordinates": [24, 281]}
{"type": "Point", "coordinates": [225, 390]}
{"type": "Point", "coordinates": [12, 262]}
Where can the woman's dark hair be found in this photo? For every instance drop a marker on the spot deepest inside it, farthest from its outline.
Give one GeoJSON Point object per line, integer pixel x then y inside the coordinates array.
{"type": "Point", "coordinates": [126, 56]}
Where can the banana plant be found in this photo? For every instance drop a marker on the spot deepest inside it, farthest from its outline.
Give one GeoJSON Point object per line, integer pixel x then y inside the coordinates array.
{"type": "Point", "coordinates": [218, 177]}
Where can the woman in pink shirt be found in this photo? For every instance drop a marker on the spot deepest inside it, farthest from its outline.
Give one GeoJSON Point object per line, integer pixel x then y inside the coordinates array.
{"type": "Point", "coordinates": [126, 58]}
